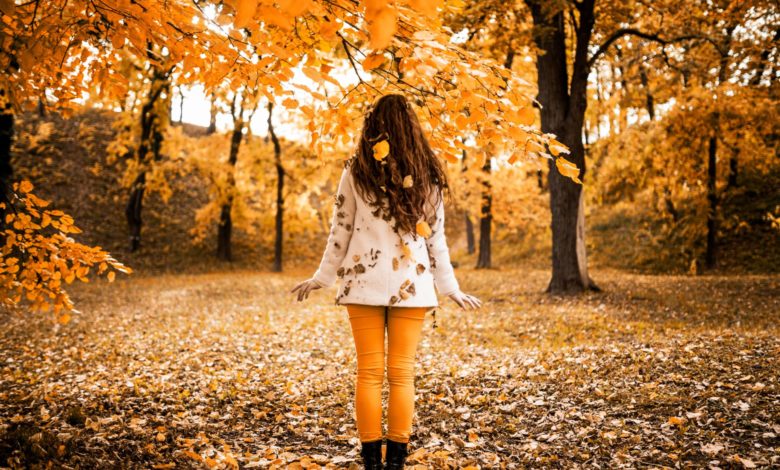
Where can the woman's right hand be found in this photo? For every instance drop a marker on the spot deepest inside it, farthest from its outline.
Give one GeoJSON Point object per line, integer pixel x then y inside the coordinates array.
{"type": "Point", "coordinates": [305, 287]}
{"type": "Point", "coordinates": [465, 301]}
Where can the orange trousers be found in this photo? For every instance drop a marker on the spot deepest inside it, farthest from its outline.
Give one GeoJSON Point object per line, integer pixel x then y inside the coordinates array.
{"type": "Point", "coordinates": [404, 328]}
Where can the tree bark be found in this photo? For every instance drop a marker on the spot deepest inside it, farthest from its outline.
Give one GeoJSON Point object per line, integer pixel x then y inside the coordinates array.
{"type": "Point", "coordinates": [649, 101]}
{"type": "Point", "coordinates": [278, 244]}
{"type": "Point", "coordinates": [225, 228]}
{"type": "Point", "coordinates": [734, 169]}
{"type": "Point", "coordinates": [486, 219]}
{"type": "Point", "coordinates": [213, 115]}
{"type": "Point", "coordinates": [150, 142]}
{"type": "Point", "coordinates": [563, 114]}
{"type": "Point", "coordinates": [470, 242]}
{"type": "Point", "coordinates": [711, 256]}
{"type": "Point", "coordinates": [712, 197]}
{"type": "Point", "coordinates": [6, 170]}
{"type": "Point", "coordinates": [484, 259]}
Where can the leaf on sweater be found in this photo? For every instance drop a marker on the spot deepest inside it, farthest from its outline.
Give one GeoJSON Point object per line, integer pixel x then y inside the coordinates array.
{"type": "Point", "coordinates": [423, 229]}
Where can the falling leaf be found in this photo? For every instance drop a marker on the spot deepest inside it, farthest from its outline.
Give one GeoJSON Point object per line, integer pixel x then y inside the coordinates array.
{"type": "Point", "coordinates": [381, 149]}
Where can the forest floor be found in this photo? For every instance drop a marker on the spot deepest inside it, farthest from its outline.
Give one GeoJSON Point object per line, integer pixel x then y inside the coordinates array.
{"type": "Point", "coordinates": [227, 370]}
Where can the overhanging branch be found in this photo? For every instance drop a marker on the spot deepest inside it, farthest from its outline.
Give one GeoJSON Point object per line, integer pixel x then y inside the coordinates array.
{"type": "Point", "coordinates": [641, 34]}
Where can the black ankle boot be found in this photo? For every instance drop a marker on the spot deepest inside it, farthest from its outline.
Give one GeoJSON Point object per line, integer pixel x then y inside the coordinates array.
{"type": "Point", "coordinates": [396, 455]}
{"type": "Point", "coordinates": [372, 454]}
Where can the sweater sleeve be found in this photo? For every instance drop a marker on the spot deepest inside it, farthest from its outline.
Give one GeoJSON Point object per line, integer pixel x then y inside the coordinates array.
{"type": "Point", "coordinates": [441, 267]}
{"type": "Point", "coordinates": [341, 227]}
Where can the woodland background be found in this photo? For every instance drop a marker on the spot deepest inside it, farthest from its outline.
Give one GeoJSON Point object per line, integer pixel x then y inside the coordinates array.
{"type": "Point", "coordinates": [615, 203]}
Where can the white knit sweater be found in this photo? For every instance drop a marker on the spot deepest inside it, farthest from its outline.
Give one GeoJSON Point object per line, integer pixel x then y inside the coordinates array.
{"type": "Point", "coordinates": [365, 252]}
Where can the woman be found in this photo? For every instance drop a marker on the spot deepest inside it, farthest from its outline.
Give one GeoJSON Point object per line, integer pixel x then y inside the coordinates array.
{"type": "Point", "coordinates": [387, 245]}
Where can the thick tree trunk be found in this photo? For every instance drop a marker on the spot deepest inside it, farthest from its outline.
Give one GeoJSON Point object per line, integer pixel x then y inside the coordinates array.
{"type": "Point", "coordinates": [278, 245]}
{"type": "Point", "coordinates": [563, 113]}
{"type": "Point", "coordinates": [486, 219]}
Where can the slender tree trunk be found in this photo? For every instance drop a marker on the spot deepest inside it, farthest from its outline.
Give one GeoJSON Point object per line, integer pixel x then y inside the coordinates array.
{"type": "Point", "coordinates": [563, 113]}
{"type": "Point", "coordinates": [6, 170]}
{"type": "Point", "coordinates": [181, 104]}
{"type": "Point", "coordinates": [711, 256]}
{"type": "Point", "coordinates": [712, 197]}
{"type": "Point", "coordinates": [470, 239]}
{"type": "Point", "coordinates": [213, 115]}
{"type": "Point", "coordinates": [278, 245]}
{"type": "Point", "coordinates": [486, 219]}
{"type": "Point", "coordinates": [734, 169]}
{"type": "Point", "coordinates": [42, 105]}
{"type": "Point", "coordinates": [649, 101]}
{"type": "Point", "coordinates": [150, 143]}
{"type": "Point", "coordinates": [225, 229]}
{"type": "Point", "coordinates": [484, 259]}
{"type": "Point", "coordinates": [470, 242]}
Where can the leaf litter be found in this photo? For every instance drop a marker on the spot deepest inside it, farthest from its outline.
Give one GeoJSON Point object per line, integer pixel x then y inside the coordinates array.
{"type": "Point", "coordinates": [225, 370]}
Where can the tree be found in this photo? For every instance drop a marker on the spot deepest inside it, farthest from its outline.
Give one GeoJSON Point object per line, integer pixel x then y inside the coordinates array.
{"type": "Point", "coordinates": [279, 191]}
{"type": "Point", "coordinates": [242, 110]}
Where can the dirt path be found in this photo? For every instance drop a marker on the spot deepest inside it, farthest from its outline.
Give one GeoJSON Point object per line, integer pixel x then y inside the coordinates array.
{"type": "Point", "coordinates": [219, 370]}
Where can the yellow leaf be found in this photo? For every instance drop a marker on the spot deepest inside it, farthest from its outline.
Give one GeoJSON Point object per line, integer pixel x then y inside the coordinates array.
{"type": "Point", "coordinates": [408, 182]}
{"type": "Point", "coordinates": [381, 149]}
{"type": "Point", "coordinates": [245, 10]}
{"type": "Point", "coordinates": [111, 276]}
{"type": "Point", "coordinates": [568, 169]}
{"type": "Point", "coordinates": [423, 229]}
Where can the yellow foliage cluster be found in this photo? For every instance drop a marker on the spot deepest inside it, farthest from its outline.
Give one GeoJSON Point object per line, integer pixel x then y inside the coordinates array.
{"type": "Point", "coordinates": [39, 257]}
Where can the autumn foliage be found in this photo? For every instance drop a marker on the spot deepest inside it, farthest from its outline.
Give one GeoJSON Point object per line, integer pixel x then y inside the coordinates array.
{"type": "Point", "coordinates": [40, 257]}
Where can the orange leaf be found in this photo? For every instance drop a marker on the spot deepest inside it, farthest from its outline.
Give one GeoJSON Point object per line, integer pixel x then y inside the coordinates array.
{"type": "Point", "coordinates": [373, 61]}
{"type": "Point", "coordinates": [245, 10]}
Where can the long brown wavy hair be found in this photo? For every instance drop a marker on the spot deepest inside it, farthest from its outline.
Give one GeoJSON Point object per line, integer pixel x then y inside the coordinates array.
{"type": "Point", "coordinates": [380, 183]}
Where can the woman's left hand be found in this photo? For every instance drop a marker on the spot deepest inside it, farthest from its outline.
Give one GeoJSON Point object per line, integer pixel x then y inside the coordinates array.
{"type": "Point", "coordinates": [465, 301]}
{"type": "Point", "coordinates": [305, 287]}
